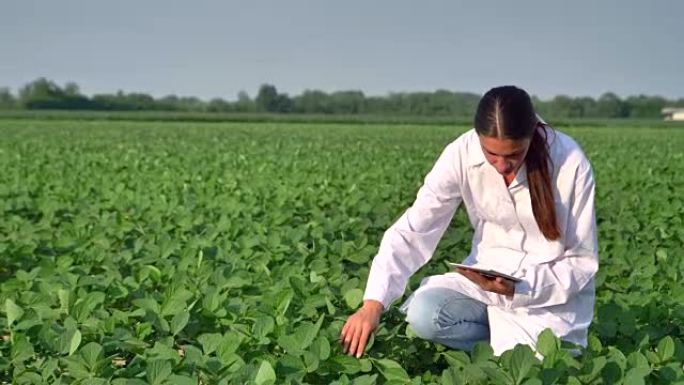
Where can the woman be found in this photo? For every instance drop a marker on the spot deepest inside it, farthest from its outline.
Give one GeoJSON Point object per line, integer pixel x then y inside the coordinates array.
{"type": "Point", "coordinates": [529, 194]}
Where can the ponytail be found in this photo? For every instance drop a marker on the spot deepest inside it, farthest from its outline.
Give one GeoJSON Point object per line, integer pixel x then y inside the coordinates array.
{"type": "Point", "coordinates": [507, 113]}
{"type": "Point", "coordinates": [539, 166]}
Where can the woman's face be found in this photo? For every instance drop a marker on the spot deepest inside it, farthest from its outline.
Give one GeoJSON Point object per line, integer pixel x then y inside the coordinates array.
{"type": "Point", "coordinates": [506, 155]}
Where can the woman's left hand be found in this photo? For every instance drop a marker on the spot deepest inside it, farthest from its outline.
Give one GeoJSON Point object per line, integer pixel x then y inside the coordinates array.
{"type": "Point", "coordinates": [495, 285]}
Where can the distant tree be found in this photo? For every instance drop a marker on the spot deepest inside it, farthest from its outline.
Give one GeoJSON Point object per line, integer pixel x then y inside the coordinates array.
{"type": "Point", "coordinates": [125, 102]}
{"type": "Point", "coordinates": [567, 107]}
{"type": "Point", "coordinates": [267, 98]}
{"type": "Point", "coordinates": [377, 105]}
{"type": "Point", "coordinates": [219, 105]}
{"type": "Point", "coordinates": [244, 103]}
{"type": "Point", "coordinates": [140, 101]}
{"type": "Point", "coordinates": [643, 106]}
{"type": "Point", "coordinates": [168, 103]}
{"type": "Point", "coordinates": [609, 105]}
{"type": "Point", "coordinates": [465, 104]}
{"type": "Point", "coordinates": [588, 107]}
{"type": "Point", "coordinates": [191, 103]}
{"type": "Point", "coordinates": [7, 100]}
{"type": "Point", "coordinates": [38, 91]}
{"type": "Point", "coordinates": [72, 89]}
{"type": "Point", "coordinates": [283, 104]}
{"type": "Point", "coordinates": [312, 102]}
{"type": "Point", "coordinates": [45, 94]}
{"type": "Point", "coordinates": [346, 102]}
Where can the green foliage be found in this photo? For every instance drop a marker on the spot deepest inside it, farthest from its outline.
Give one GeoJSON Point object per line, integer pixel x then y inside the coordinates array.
{"type": "Point", "coordinates": [43, 94]}
{"type": "Point", "coordinates": [176, 253]}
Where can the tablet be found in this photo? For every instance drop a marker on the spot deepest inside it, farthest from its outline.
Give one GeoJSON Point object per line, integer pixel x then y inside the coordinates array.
{"type": "Point", "coordinates": [486, 272]}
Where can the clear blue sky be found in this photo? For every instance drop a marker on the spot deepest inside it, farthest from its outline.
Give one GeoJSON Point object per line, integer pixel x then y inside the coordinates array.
{"type": "Point", "coordinates": [217, 48]}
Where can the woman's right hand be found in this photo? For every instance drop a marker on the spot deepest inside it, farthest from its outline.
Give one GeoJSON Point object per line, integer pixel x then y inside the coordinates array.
{"type": "Point", "coordinates": [359, 326]}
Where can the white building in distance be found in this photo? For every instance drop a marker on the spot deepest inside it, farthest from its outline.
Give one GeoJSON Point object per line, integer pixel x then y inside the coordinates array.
{"type": "Point", "coordinates": [672, 113]}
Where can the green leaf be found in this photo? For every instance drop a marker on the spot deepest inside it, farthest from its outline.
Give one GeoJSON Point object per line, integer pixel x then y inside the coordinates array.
{"type": "Point", "coordinates": [638, 360]}
{"type": "Point", "coordinates": [263, 326]}
{"type": "Point", "coordinates": [63, 296]}
{"type": "Point", "coordinates": [182, 380]}
{"type": "Point", "coordinates": [74, 341]}
{"type": "Point", "coordinates": [148, 304]}
{"type": "Point", "coordinates": [13, 311]}
{"type": "Point", "coordinates": [265, 375]}
{"type": "Point", "coordinates": [308, 332]}
{"type": "Point", "coordinates": [162, 351]}
{"type": "Point", "coordinates": [291, 365]}
{"type": "Point", "coordinates": [497, 376]}
{"type": "Point", "coordinates": [209, 341]}
{"type": "Point", "coordinates": [366, 365]}
{"type": "Point", "coordinates": [158, 371]}
{"type": "Point", "coordinates": [456, 358]}
{"type": "Point", "coordinates": [666, 348]}
{"type": "Point", "coordinates": [311, 361]}
{"type": "Point", "coordinates": [70, 338]}
{"type": "Point", "coordinates": [323, 348]}
{"type": "Point", "coordinates": [522, 360]}
{"type": "Point", "coordinates": [302, 338]}
{"type": "Point", "coordinates": [593, 369]}
{"type": "Point", "coordinates": [533, 381]}
{"type": "Point", "coordinates": [359, 258]}
{"type": "Point", "coordinates": [353, 298]}
{"type": "Point", "coordinates": [175, 301]}
{"type": "Point", "coordinates": [366, 379]}
{"type": "Point", "coordinates": [550, 375]}
{"type": "Point", "coordinates": [21, 350]}
{"type": "Point", "coordinates": [634, 376]}
{"type": "Point", "coordinates": [27, 377]}
{"type": "Point", "coordinates": [179, 321]}
{"type": "Point", "coordinates": [482, 352]}
{"type": "Point", "coordinates": [345, 364]}
{"type": "Point", "coordinates": [595, 344]}
{"type": "Point", "coordinates": [290, 344]}
{"type": "Point", "coordinates": [229, 344]}
{"type": "Point", "coordinates": [391, 370]}
{"type": "Point", "coordinates": [547, 343]}
{"type": "Point", "coordinates": [474, 374]}
{"type": "Point", "coordinates": [91, 355]}
{"type": "Point", "coordinates": [452, 376]}
{"type": "Point", "coordinates": [192, 355]}
{"type": "Point", "coordinates": [83, 307]}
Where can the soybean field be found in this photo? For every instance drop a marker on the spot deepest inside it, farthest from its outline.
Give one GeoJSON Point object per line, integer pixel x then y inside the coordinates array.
{"type": "Point", "coordinates": [232, 253]}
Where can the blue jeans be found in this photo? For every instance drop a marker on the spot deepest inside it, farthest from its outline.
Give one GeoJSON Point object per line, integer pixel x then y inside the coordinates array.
{"type": "Point", "coordinates": [448, 317]}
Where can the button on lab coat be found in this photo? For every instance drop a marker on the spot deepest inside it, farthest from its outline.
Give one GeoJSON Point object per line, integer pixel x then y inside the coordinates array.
{"type": "Point", "coordinates": [557, 287]}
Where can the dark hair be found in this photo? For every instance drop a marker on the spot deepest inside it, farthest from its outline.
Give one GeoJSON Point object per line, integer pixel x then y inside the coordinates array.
{"type": "Point", "coordinates": [507, 113]}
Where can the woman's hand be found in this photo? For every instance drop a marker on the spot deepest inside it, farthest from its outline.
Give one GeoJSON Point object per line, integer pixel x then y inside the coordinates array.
{"type": "Point", "coordinates": [495, 285]}
{"type": "Point", "coordinates": [359, 326]}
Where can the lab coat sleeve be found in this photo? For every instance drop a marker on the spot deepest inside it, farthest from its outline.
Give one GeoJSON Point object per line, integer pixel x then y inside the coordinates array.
{"type": "Point", "coordinates": [555, 282]}
{"type": "Point", "coordinates": [410, 242]}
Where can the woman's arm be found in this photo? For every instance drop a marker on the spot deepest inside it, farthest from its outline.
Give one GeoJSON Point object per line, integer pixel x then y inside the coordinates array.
{"type": "Point", "coordinates": [405, 247]}
{"type": "Point", "coordinates": [410, 242]}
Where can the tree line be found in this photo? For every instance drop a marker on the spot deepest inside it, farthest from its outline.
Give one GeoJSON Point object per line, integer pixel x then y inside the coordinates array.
{"type": "Point", "coordinates": [46, 94]}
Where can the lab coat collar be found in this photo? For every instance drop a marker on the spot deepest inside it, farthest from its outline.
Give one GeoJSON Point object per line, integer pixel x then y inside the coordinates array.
{"type": "Point", "coordinates": [476, 156]}
{"type": "Point", "coordinates": [520, 177]}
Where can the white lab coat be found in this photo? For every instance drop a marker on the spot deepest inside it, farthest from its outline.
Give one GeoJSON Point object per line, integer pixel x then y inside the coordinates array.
{"type": "Point", "coordinates": [557, 288]}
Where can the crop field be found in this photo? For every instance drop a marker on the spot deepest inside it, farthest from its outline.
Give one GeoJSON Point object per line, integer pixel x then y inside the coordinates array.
{"type": "Point", "coordinates": [232, 253]}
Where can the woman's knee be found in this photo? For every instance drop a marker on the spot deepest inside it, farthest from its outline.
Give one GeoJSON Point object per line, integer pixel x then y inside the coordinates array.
{"type": "Point", "coordinates": [432, 311]}
{"type": "Point", "coordinates": [423, 311]}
